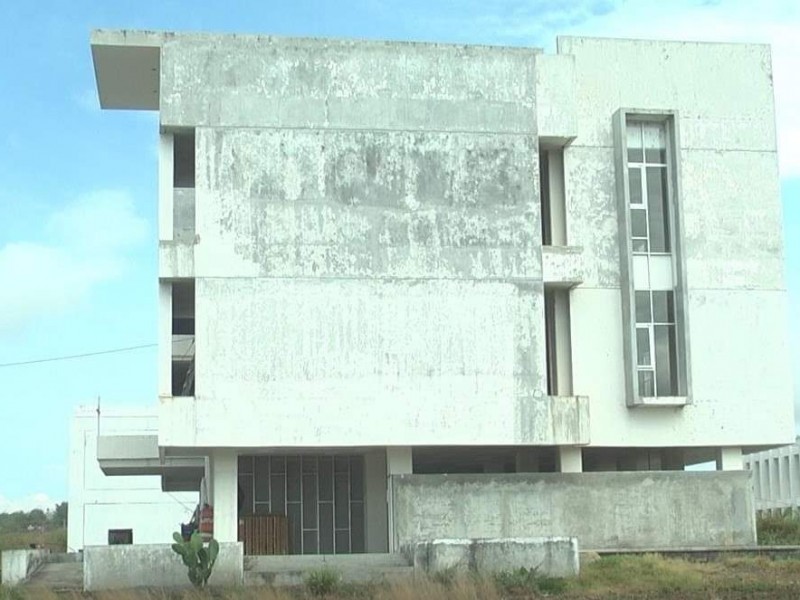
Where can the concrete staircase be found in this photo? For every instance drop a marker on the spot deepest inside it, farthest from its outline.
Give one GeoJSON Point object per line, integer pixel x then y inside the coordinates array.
{"type": "Point", "coordinates": [292, 570]}
{"type": "Point", "coordinates": [59, 572]}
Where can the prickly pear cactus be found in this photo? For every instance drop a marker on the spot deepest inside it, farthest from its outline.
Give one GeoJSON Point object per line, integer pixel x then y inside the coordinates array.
{"type": "Point", "coordinates": [198, 558]}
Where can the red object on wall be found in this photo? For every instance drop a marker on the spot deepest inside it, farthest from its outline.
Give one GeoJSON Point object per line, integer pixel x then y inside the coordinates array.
{"type": "Point", "coordinates": [207, 519]}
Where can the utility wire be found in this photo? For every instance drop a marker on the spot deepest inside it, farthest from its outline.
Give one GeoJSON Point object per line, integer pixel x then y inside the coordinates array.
{"type": "Point", "coordinates": [73, 356]}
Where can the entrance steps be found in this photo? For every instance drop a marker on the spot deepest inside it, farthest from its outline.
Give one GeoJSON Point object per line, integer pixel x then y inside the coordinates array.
{"type": "Point", "coordinates": [293, 569]}
{"type": "Point", "coordinates": [59, 573]}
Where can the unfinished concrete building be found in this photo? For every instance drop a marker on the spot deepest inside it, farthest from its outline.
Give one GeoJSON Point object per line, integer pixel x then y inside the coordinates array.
{"type": "Point", "coordinates": [413, 291]}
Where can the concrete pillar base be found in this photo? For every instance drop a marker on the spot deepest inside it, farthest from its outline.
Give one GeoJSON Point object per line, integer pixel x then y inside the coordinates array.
{"type": "Point", "coordinates": [570, 459]}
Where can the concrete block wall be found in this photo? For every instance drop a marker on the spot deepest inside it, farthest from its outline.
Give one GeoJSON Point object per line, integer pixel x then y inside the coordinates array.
{"type": "Point", "coordinates": [626, 510]}
{"type": "Point", "coordinates": [154, 566]}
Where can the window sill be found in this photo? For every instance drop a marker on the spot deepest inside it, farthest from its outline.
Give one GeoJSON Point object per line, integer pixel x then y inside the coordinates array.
{"type": "Point", "coordinates": [661, 401]}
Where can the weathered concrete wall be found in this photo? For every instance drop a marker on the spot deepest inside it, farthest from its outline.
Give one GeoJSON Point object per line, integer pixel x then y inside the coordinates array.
{"type": "Point", "coordinates": [548, 556]}
{"type": "Point", "coordinates": [261, 81]}
{"type": "Point", "coordinates": [17, 565]}
{"type": "Point", "coordinates": [601, 510]}
{"type": "Point", "coordinates": [732, 240]}
{"type": "Point", "coordinates": [120, 567]}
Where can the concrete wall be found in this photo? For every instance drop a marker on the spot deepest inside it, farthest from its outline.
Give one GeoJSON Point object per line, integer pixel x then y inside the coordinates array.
{"type": "Point", "coordinates": [98, 503]}
{"type": "Point", "coordinates": [732, 240]}
{"type": "Point", "coordinates": [154, 566]}
{"type": "Point", "coordinates": [368, 230]}
{"type": "Point", "coordinates": [17, 565]}
{"type": "Point", "coordinates": [602, 510]}
{"type": "Point", "coordinates": [776, 478]}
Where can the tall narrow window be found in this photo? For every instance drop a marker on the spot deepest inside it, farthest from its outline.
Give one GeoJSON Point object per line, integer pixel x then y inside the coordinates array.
{"type": "Point", "coordinates": [652, 268]}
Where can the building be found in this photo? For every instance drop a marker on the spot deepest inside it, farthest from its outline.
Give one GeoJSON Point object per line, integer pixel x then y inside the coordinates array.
{"type": "Point", "coordinates": [412, 291]}
{"type": "Point", "coordinates": [118, 510]}
{"type": "Point", "coordinates": [776, 479]}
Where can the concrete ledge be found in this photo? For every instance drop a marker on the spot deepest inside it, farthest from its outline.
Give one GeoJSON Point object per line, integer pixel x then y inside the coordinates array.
{"type": "Point", "coordinates": [549, 556]}
{"type": "Point", "coordinates": [18, 565]}
{"type": "Point", "coordinates": [156, 565]}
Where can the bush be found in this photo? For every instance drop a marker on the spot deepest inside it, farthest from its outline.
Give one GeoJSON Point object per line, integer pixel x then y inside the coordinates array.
{"type": "Point", "coordinates": [323, 582]}
{"type": "Point", "coordinates": [782, 530]}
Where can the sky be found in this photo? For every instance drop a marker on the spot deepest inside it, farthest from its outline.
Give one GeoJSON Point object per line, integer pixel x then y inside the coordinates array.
{"type": "Point", "coordinates": [78, 234]}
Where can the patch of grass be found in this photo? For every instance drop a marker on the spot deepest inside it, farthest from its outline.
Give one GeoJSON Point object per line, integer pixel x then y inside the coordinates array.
{"type": "Point", "coordinates": [323, 582]}
{"type": "Point", "coordinates": [782, 530]}
{"type": "Point", "coordinates": [523, 580]}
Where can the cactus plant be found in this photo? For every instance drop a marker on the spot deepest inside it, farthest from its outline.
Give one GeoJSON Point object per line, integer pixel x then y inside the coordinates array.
{"type": "Point", "coordinates": [198, 558]}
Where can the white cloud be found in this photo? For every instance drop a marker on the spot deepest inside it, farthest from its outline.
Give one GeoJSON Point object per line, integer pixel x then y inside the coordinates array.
{"type": "Point", "coordinates": [90, 237]}
{"type": "Point", "coordinates": [27, 503]}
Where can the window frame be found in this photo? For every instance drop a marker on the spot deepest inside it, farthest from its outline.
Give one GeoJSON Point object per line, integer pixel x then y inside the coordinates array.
{"type": "Point", "coordinates": [675, 239]}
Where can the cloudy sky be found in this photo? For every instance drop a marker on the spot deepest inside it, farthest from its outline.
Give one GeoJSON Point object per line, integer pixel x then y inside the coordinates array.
{"type": "Point", "coordinates": [78, 185]}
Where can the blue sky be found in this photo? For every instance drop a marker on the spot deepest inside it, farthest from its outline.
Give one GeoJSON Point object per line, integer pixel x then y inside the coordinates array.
{"type": "Point", "coordinates": [78, 185]}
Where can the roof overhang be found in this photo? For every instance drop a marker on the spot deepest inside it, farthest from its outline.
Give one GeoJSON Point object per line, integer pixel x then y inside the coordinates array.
{"type": "Point", "coordinates": [127, 68]}
{"type": "Point", "coordinates": [140, 455]}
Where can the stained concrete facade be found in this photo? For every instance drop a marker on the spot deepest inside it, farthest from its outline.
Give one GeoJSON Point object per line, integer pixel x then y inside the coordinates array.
{"type": "Point", "coordinates": [419, 250]}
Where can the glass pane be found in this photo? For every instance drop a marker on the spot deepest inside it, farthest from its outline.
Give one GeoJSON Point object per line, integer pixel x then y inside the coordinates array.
{"type": "Point", "coordinates": [666, 372]}
{"type": "Point", "coordinates": [635, 184]}
{"type": "Point", "coordinates": [342, 500]}
{"type": "Point", "coordinates": [639, 246]}
{"type": "Point", "coordinates": [295, 528]}
{"type": "Point", "coordinates": [310, 542]}
{"type": "Point", "coordinates": [343, 542]}
{"type": "Point", "coordinates": [663, 307]}
{"type": "Point", "coordinates": [655, 143]}
{"type": "Point", "coordinates": [309, 502]}
{"type": "Point", "coordinates": [278, 493]}
{"type": "Point", "coordinates": [356, 478]}
{"type": "Point", "coordinates": [638, 223]}
{"type": "Point", "coordinates": [656, 205]}
{"type": "Point", "coordinates": [634, 142]}
{"type": "Point", "coordinates": [325, 479]}
{"type": "Point", "coordinates": [293, 478]}
{"type": "Point", "coordinates": [357, 527]}
{"type": "Point", "coordinates": [278, 464]}
{"type": "Point", "coordinates": [245, 464]}
{"type": "Point", "coordinates": [326, 528]}
{"type": "Point", "coordinates": [262, 508]}
{"type": "Point", "coordinates": [245, 494]}
{"type": "Point", "coordinates": [643, 307]}
{"type": "Point", "coordinates": [262, 478]}
{"type": "Point", "coordinates": [646, 387]}
{"type": "Point", "coordinates": [643, 356]}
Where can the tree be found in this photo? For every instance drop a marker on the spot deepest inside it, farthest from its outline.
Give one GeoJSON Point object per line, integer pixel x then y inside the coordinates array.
{"type": "Point", "coordinates": [60, 515]}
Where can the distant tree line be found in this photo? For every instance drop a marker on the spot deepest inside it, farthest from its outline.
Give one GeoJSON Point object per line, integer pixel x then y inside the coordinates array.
{"type": "Point", "coordinates": [37, 518]}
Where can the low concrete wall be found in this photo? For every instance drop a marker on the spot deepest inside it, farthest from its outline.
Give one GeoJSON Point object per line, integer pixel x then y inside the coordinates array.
{"type": "Point", "coordinates": [17, 565]}
{"type": "Point", "coordinates": [644, 509]}
{"type": "Point", "coordinates": [155, 566]}
{"type": "Point", "coordinates": [551, 556]}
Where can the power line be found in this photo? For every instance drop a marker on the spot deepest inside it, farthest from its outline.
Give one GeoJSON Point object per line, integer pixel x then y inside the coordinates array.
{"type": "Point", "coordinates": [73, 356]}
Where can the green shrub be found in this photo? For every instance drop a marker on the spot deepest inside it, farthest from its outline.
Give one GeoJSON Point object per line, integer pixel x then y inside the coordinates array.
{"type": "Point", "coordinates": [10, 593]}
{"type": "Point", "coordinates": [779, 530]}
{"type": "Point", "coordinates": [199, 559]}
{"type": "Point", "coordinates": [322, 582]}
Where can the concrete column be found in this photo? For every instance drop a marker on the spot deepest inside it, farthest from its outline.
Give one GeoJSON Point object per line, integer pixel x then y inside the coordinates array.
{"type": "Point", "coordinates": [164, 339]}
{"type": "Point", "coordinates": [166, 191]}
{"type": "Point", "coordinates": [376, 508]}
{"type": "Point", "coordinates": [398, 462]}
{"type": "Point", "coordinates": [729, 459]}
{"type": "Point", "coordinates": [224, 492]}
{"type": "Point", "coordinates": [570, 459]}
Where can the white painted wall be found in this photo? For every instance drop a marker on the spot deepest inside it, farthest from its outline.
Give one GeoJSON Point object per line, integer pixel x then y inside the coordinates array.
{"type": "Point", "coordinates": [98, 503]}
{"type": "Point", "coordinates": [733, 241]}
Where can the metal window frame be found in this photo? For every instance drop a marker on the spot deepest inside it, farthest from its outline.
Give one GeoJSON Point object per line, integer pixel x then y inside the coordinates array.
{"type": "Point", "coordinates": [675, 221]}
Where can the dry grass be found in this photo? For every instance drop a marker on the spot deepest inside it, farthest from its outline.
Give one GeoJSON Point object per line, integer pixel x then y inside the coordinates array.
{"type": "Point", "coordinates": [632, 577]}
